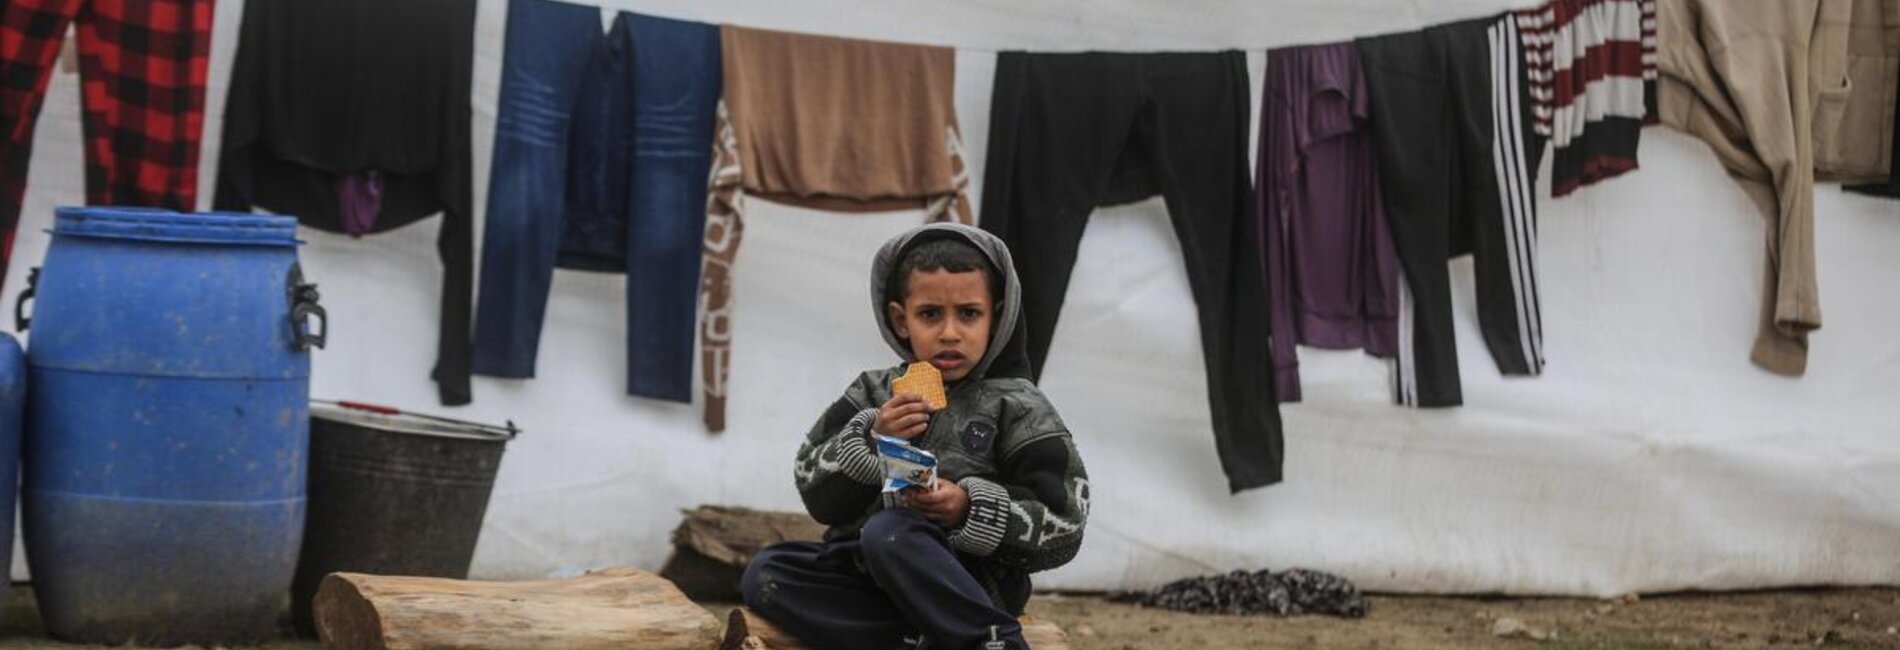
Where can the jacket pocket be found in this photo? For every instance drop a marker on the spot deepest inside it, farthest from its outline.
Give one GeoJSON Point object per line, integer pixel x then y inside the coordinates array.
{"type": "Point", "coordinates": [1853, 121]}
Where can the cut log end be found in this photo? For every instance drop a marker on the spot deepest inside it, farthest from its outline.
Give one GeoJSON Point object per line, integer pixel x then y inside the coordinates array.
{"type": "Point", "coordinates": [349, 620]}
{"type": "Point", "coordinates": [713, 544]}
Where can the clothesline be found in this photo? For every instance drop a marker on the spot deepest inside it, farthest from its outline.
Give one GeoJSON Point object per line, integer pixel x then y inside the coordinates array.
{"type": "Point", "coordinates": [1249, 48]}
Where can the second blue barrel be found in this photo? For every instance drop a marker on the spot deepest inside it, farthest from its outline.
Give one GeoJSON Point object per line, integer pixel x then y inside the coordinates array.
{"type": "Point", "coordinates": [168, 425]}
{"type": "Point", "coordinates": [12, 429]}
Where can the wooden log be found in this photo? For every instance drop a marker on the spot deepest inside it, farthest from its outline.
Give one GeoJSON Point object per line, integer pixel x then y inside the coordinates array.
{"type": "Point", "coordinates": [746, 630]}
{"type": "Point", "coordinates": [1043, 635]}
{"type": "Point", "coordinates": [617, 608]}
{"type": "Point", "coordinates": [712, 545]}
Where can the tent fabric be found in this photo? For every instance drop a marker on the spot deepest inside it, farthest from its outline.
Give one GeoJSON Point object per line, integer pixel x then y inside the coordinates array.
{"type": "Point", "coordinates": [1649, 456]}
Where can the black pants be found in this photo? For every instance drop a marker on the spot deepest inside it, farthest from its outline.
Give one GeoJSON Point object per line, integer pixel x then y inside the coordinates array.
{"type": "Point", "coordinates": [897, 580]}
{"type": "Point", "coordinates": [1072, 132]}
{"type": "Point", "coordinates": [1451, 127]}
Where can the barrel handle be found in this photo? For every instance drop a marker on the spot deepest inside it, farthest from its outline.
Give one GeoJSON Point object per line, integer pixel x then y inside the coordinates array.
{"type": "Point", "coordinates": [20, 319]}
{"type": "Point", "coordinates": [303, 305]}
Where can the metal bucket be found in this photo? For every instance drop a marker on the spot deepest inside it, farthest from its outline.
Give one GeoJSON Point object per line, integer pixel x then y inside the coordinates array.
{"type": "Point", "coordinates": [393, 493]}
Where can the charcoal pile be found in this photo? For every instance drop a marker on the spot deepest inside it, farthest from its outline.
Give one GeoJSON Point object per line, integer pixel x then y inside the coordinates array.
{"type": "Point", "coordinates": [1289, 593]}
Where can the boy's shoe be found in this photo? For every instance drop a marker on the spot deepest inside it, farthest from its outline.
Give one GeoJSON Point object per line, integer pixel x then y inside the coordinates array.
{"type": "Point", "coordinates": [995, 642]}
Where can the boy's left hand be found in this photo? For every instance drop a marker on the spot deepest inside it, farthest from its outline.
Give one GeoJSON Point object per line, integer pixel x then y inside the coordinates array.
{"type": "Point", "coordinates": [945, 505]}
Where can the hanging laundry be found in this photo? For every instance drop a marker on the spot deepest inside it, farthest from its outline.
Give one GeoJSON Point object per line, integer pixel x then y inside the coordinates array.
{"type": "Point", "coordinates": [1780, 99]}
{"type": "Point", "coordinates": [1592, 71]}
{"type": "Point", "coordinates": [1889, 188]}
{"type": "Point", "coordinates": [1073, 132]}
{"type": "Point", "coordinates": [886, 118]}
{"type": "Point", "coordinates": [593, 221]}
{"type": "Point", "coordinates": [601, 158]}
{"type": "Point", "coordinates": [142, 78]}
{"type": "Point", "coordinates": [1855, 154]}
{"type": "Point", "coordinates": [325, 90]}
{"type": "Point", "coordinates": [1451, 116]}
{"type": "Point", "coordinates": [1332, 273]}
{"type": "Point", "coordinates": [360, 197]}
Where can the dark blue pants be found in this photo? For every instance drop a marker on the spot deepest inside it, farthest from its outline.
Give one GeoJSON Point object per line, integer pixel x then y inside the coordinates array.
{"type": "Point", "coordinates": [897, 580]}
{"type": "Point", "coordinates": [677, 83]}
{"type": "Point", "coordinates": [602, 148]}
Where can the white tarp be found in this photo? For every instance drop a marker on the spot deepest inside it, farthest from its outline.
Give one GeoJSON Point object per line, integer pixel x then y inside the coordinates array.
{"type": "Point", "coordinates": [1650, 456]}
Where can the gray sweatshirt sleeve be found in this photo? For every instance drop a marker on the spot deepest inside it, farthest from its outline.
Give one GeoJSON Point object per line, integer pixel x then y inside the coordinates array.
{"type": "Point", "coordinates": [1030, 517]}
{"type": "Point", "coordinates": [836, 472]}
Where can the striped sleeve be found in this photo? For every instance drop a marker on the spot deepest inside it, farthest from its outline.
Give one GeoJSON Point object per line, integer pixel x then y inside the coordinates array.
{"type": "Point", "coordinates": [847, 454]}
{"type": "Point", "coordinates": [837, 474]}
{"type": "Point", "coordinates": [988, 519]}
{"type": "Point", "coordinates": [1032, 518]}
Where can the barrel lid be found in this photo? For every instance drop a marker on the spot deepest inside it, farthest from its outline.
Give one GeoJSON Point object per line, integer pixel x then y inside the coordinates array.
{"type": "Point", "coordinates": [151, 224]}
{"type": "Point", "coordinates": [382, 418]}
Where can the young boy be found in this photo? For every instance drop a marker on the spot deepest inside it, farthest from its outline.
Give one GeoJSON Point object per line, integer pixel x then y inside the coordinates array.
{"type": "Point", "coordinates": [950, 570]}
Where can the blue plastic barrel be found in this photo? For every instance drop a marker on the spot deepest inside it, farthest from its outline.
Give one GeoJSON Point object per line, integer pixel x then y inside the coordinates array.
{"type": "Point", "coordinates": [168, 425]}
{"type": "Point", "coordinates": [12, 410]}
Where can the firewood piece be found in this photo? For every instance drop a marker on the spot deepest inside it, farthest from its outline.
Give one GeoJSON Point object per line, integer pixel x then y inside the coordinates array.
{"type": "Point", "coordinates": [613, 608]}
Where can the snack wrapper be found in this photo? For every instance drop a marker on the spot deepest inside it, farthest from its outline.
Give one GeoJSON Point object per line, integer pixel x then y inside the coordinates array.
{"type": "Point", "coordinates": [905, 466]}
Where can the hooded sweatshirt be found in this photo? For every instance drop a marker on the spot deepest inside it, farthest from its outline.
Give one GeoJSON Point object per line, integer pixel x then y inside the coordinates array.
{"type": "Point", "coordinates": [999, 439]}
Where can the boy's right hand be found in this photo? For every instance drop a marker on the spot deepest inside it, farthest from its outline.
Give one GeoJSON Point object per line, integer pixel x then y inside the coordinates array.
{"type": "Point", "coordinates": [904, 416]}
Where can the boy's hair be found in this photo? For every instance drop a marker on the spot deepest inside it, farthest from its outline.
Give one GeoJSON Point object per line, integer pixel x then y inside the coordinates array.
{"type": "Point", "coordinates": [952, 255]}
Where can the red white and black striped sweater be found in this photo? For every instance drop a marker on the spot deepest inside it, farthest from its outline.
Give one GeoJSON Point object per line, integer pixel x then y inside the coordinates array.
{"type": "Point", "coordinates": [1592, 71]}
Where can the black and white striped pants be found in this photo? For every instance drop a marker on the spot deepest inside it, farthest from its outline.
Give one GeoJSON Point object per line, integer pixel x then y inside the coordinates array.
{"type": "Point", "coordinates": [1457, 158]}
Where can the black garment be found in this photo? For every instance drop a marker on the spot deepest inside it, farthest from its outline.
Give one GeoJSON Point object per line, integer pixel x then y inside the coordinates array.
{"type": "Point", "coordinates": [868, 591]}
{"type": "Point", "coordinates": [600, 158]}
{"type": "Point", "coordinates": [1457, 174]}
{"type": "Point", "coordinates": [337, 87]}
{"type": "Point", "coordinates": [1072, 132]}
{"type": "Point", "coordinates": [1891, 188]}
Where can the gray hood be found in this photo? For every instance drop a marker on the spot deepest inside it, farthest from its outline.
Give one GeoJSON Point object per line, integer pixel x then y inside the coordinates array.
{"type": "Point", "coordinates": [1007, 356]}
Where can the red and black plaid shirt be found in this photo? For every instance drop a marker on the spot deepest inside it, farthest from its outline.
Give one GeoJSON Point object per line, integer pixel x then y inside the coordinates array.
{"type": "Point", "coordinates": [142, 69]}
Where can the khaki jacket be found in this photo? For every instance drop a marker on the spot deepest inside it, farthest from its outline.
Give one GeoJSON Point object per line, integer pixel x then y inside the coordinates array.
{"type": "Point", "coordinates": [1784, 92]}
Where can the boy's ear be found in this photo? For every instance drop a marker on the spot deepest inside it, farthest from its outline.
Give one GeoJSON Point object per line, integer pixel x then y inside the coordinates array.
{"type": "Point", "coordinates": [894, 311]}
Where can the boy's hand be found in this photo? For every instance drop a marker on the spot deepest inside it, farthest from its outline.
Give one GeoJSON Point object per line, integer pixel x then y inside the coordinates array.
{"type": "Point", "coordinates": [945, 505]}
{"type": "Point", "coordinates": [905, 416]}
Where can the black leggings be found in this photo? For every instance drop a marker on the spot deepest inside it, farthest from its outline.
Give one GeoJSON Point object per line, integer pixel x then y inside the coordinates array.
{"type": "Point", "coordinates": [1450, 124]}
{"type": "Point", "coordinates": [1072, 132]}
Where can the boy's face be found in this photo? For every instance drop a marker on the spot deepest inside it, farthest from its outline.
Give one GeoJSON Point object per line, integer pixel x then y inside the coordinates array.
{"type": "Point", "coordinates": [946, 319]}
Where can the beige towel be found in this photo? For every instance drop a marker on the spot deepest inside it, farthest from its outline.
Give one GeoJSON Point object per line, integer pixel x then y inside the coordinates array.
{"type": "Point", "coordinates": [841, 124]}
{"type": "Point", "coordinates": [827, 123]}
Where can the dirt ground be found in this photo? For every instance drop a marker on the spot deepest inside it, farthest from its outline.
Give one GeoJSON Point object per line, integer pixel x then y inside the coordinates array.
{"type": "Point", "coordinates": [1835, 618]}
{"type": "Point", "coordinates": [1858, 618]}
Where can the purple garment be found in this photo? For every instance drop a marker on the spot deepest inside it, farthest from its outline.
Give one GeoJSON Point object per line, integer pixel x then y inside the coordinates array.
{"type": "Point", "coordinates": [359, 197]}
{"type": "Point", "coordinates": [1332, 272]}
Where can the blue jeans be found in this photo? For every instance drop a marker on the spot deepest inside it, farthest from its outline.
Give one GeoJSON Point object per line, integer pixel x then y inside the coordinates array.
{"type": "Point", "coordinates": [677, 83]}
{"type": "Point", "coordinates": [602, 148]}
